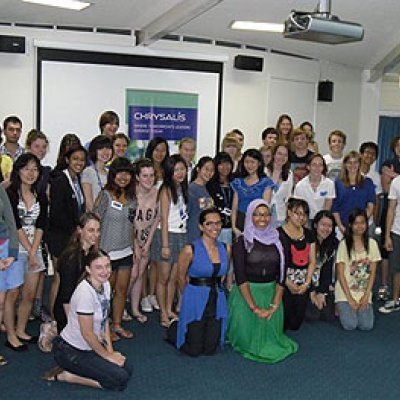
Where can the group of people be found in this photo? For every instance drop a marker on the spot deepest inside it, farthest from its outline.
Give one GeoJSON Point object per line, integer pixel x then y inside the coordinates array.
{"type": "Point", "coordinates": [240, 248]}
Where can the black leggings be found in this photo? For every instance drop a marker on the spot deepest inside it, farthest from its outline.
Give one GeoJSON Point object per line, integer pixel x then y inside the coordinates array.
{"type": "Point", "coordinates": [295, 308]}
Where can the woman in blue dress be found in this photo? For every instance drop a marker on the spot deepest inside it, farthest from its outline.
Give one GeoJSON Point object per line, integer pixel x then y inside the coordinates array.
{"type": "Point", "coordinates": [204, 313]}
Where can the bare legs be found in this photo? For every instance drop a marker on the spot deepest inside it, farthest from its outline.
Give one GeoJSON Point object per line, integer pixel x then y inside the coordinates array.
{"type": "Point", "coordinates": [136, 288]}
{"type": "Point", "coordinates": [55, 284]}
{"type": "Point", "coordinates": [9, 316]}
{"type": "Point", "coordinates": [121, 282]}
{"type": "Point", "coordinates": [166, 286]}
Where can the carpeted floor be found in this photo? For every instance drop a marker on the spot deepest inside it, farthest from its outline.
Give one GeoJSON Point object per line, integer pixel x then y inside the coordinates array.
{"type": "Point", "coordinates": [330, 364]}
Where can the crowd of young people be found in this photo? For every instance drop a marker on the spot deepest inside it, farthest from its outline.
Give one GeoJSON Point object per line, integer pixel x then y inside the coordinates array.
{"type": "Point", "coordinates": [285, 232]}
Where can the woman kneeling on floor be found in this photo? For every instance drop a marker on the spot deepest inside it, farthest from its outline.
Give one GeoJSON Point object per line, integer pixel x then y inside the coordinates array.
{"type": "Point", "coordinates": [204, 312]}
{"type": "Point", "coordinates": [83, 351]}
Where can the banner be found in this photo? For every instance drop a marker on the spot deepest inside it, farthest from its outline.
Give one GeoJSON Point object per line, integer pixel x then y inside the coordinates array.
{"type": "Point", "coordinates": [151, 113]}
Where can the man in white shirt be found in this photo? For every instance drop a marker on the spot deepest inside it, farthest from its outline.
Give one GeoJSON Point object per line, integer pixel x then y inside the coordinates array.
{"type": "Point", "coordinates": [334, 159]}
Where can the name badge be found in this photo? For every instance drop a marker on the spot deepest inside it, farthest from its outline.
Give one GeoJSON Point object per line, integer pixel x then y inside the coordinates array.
{"type": "Point", "coordinates": [116, 205]}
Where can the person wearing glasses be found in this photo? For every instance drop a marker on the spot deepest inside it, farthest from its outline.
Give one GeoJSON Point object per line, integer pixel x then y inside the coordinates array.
{"type": "Point", "coordinates": [204, 313]}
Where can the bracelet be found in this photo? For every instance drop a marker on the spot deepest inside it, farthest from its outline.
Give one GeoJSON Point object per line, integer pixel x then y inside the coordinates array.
{"type": "Point", "coordinates": [274, 306]}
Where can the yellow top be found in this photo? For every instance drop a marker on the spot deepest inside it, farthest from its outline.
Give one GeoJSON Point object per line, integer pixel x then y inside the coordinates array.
{"type": "Point", "coordinates": [6, 166]}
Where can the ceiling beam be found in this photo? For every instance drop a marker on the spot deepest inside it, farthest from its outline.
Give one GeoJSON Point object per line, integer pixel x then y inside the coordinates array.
{"type": "Point", "coordinates": [390, 63]}
{"type": "Point", "coordinates": [173, 19]}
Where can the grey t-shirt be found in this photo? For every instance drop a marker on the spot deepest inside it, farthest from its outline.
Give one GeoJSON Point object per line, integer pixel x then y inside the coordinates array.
{"type": "Point", "coordinates": [95, 178]}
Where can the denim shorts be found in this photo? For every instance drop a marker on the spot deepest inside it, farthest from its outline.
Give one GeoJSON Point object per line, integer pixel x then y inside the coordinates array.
{"type": "Point", "coordinates": [89, 364]}
{"type": "Point", "coordinates": [23, 261]}
{"type": "Point", "coordinates": [12, 277]}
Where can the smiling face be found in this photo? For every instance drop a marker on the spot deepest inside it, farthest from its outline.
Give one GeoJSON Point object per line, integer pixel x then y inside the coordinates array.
{"type": "Point", "coordinates": [359, 225]}
{"type": "Point", "coordinates": [261, 217]}
{"type": "Point", "coordinates": [352, 166]}
{"type": "Point", "coordinates": [159, 153]}
{"type": "Point", "coordinates": [180, 172]}
{"type": "Point", "coordinates": [99, 271]}
{"type": "Point", "coordinates": [76, 162]}
{"type": "Point", "coordinates": [297, 217]}
{"type": "Point", "coordinates": [267, 156]}
{"type": "Point", "coordinates": [251, 165]}
{"type": "Point", "coordinates": [206, 172]}
{"type": "Point", "coordinates": [281, 156]}
{"type": "Point", "coordinates": [104, 155]}
{"type": "Point", "coordinates": [123, 179]}
{"type": "Point", "coordinates": [110, 129]}
{"type": "Point", "coordinates": [224, 169]}
{"type": "Point", "coordinates": [368, 156]}
{"type": "Point", "coordinates": [120, 147]}
{"type": "Point", "coordinates": [39, 148]}
{"type": "Point", "coordinates": [211, 227]}
{"type": "Point", "coordinates": [316, 167]}
{"type": "Point", "coordinates": [29, 174]}
{"type": "Point", "coordinates": [89, 234]}
{"type": "Point", "coordinates": [187, 152]}
{"type": "Point", "coordinates": [336, 144]}
{"type": "Point", "coordinates": [285, 126]}
{"type": "Point", "coordinates": [232, 150]}
{"type": "Point", "coordinates": [324, 228]}
{"type": "Point", "coordinates": [146, 178]}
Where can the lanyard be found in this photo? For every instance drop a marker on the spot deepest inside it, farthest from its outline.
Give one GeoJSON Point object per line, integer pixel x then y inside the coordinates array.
{"type": "Point", "coordinates": [76, 189]}
{"type": "Point", "coordinates": [98, 178]}
{"type": "Point", "coordinates": [227, 195]}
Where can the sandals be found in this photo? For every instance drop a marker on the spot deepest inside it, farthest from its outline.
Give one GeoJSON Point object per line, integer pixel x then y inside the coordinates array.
{"type": "Point", "coordinates": [140, 318]}
{"type": "Point", "coordinates": [3, 361]}
{"type": "Point", "coordinates": [122, 333]}
{"type": "Point", "coordinates": [52, 374]}
{"type": "Point", "coordinates": [126, 317]}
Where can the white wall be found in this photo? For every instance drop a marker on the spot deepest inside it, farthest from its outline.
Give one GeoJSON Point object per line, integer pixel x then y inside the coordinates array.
{"type": "Point", "coordinates": [246, 96]}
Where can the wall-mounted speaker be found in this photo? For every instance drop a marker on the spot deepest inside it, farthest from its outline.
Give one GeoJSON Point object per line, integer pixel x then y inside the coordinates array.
{"type": "Point", "coordinates": [325, 91]}
{"type": "Point", "coordinates": [12, 44]}
{"type": "Point", "coordinates": [248, 63]}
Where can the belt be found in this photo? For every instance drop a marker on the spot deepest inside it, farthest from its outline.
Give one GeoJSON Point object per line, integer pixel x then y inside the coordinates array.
{"type": "Point", "coordinates": [211, 282]}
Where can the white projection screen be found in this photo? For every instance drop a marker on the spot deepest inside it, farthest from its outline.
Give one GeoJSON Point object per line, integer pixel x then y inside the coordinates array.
{"type": "Point", "coordinates": [75, 87]}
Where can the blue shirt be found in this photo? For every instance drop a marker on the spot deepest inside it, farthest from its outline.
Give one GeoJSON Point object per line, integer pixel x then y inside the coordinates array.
{"type": "Point", "coordinates": [246, 194]}
{"type": "Point", "coordinates": [350, 197]}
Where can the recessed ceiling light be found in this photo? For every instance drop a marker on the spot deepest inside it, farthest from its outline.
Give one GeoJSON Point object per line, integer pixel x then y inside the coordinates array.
{"type": "Point", "coordinates": [69, 4]}
{"type": "Point", "coordinates": [257, 26]}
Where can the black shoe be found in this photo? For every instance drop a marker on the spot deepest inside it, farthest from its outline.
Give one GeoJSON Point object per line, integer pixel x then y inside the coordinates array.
{"type": "Point", "coordinates": [23, 346]}
{"type": "Point", "coordinates": [32, 339]}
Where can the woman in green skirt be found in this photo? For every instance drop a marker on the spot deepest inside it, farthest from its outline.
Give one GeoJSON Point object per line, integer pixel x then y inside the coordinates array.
{"type": "Point", "coordinates": [255, 327]}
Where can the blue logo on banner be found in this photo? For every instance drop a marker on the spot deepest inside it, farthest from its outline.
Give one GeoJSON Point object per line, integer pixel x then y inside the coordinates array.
{"type": "Point", "coordinates": [167, 122]}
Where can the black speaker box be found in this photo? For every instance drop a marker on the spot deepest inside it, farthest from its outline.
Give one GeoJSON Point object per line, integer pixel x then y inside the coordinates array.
{"type": "Point", "coordinates": [249, 63]}
{"type": "Point", "coordinates": [325, 91]}
{"type": "Point", "coordinates": [12, 44]}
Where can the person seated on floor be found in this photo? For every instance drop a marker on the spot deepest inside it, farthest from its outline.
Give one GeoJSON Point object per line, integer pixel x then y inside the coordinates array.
{"type": "Point", "coordinates": [204, 313]}
{"type": "Point", "coordinates": [320, 304]}
{"type": "Point", "coordinates": [356, 262]}
{"type": "Point", "coordinates": [83, 351]}
{"type": "Point", "coordinates": [255, 327]}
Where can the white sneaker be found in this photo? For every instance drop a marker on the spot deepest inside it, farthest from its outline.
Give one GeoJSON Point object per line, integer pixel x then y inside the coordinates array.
{"type": "Point", "coordinates": [153, 302]}
{"type": "Point", "coordinates": [389, 307]}
{"type": "Point", "coordinates": [145, 304]}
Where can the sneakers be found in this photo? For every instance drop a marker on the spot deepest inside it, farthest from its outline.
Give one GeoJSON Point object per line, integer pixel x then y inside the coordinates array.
{"type": "Point", "coordinates": [389, 307]}
{"type": "Point", "coordinates": [145, 304]}
{"type": "Point", "coordinates": [153, 302]}
{"type": "Point", "coordinates": [383, 293]}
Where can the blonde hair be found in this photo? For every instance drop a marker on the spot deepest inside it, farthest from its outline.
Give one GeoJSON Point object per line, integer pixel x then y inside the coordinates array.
{"type": "Point", "coordinates": [344, 175]}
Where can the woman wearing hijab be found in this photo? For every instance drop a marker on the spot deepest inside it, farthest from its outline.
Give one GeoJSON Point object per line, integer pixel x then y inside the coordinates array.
{"type": "Point", "coordinates": [255, 327]}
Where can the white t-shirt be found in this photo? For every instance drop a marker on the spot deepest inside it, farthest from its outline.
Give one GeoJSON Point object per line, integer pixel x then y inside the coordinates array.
{"type": "Point", "coordinates": [334, 166]}
{"type": "Point", "coordinates": [87, 301]}
{"type": "Point", "coordinates": [315, 199]}
{"type": "Point", "coordinates": [376, 179]}
{"type": "Point", "coordinates": [280, 196]}
{"type": "Point", "coordinates": [394, 194]}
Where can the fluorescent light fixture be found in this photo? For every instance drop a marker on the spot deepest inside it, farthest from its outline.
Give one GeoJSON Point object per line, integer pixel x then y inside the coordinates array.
{"type": "Point", "coordinates": [69, 4]}
{"type": "Point", "coordinates": [258, 26]}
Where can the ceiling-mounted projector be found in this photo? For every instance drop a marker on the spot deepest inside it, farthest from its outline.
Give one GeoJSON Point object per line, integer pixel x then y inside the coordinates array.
{"type": "Point", "coordinates": [320, 26]}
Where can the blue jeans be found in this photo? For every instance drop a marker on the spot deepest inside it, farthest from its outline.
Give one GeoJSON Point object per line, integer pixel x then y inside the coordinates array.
{"type": "Point", "coordinates": [89, 364]}
{"type": "Point", "coordinates": [350, 320]}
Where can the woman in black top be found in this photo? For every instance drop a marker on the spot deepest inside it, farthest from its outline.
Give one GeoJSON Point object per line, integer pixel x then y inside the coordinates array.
{"type": "Point", "coordinates": [299, 245]}
{"type": "Point", "coordinates": [321, 301]}
{"type": "Point", "coordinates": [72, 261]}
{"type": "Point", "coordinates": [255, 327]}
{"type": "Point", "coordinates": [222, 194]}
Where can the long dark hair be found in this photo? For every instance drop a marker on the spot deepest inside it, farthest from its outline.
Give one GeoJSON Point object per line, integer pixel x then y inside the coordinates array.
{"type": "Point", "coordinates": [120, 164]}
{"type": "Point", "coordinates": [200, 164]}
{"type": "Point", "coordinates": [169, 183]}
{"type": "Point", "coordinates": [152, 146]}
{"type": "Point", "coordinates": [221, 158]}
{"type": "Point", "coordinates": [21, 162]}
{"type": "Point", "coordinates": [68, 140]}
{"type": "Point", "coordinates": [348, 236]}
{"type": "Point", "coordinates": [330, 243]}
{"type": "Point", "coordinates": [253, 153]}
